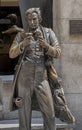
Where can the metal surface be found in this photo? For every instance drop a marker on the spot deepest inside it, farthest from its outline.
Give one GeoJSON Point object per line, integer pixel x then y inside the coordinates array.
{"type": "Point", "coordinates": [75, 26]}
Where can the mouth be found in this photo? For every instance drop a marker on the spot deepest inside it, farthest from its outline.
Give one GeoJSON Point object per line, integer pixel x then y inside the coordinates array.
{"type": "Point", "coordinates": [33, 26]}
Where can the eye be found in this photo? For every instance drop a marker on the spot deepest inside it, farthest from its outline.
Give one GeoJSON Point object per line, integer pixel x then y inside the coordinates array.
{"type": "Point", "coordinates": [29, 19]}
{"type": "Point", "coordinates": [34, 18]}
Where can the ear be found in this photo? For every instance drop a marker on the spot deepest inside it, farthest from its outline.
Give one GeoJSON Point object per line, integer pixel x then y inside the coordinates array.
{"type": "Point", "coordinates": [40, 19]}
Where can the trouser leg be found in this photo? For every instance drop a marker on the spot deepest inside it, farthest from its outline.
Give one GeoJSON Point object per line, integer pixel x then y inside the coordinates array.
{"type": "Point", "coordinates": [25, 114]}
{"type": "Point", "coordinates": [44, 98]}
{"type": "Point", "coordinates": [25, 91]}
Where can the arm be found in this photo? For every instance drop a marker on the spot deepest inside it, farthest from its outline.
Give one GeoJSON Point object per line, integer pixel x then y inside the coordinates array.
{"type": "Point", "coordinates": [13, 29]}
{"type": "Point", "coordinates": [21, 41]}
{"type": "Point", "coordinates": [52, 48]}
{"type": "Point", "coordinates": [15, 49]}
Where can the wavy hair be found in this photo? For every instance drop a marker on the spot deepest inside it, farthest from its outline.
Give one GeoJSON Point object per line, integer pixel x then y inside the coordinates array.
{"type": "Point", "coordinates": [34, 10]}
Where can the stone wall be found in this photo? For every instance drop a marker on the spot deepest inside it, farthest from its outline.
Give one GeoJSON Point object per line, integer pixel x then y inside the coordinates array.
{"type": "Point", "coordinates": [71, 59]}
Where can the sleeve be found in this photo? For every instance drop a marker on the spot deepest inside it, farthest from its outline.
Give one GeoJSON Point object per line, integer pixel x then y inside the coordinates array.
{"type": "Point", "coordinates": [8, 31]}
{"type": "Point", "coordinates": [54, 48]}
{"type": "Point", "coordinates": [15, 48]}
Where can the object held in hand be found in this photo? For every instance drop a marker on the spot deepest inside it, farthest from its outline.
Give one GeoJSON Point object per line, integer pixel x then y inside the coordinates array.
{"type": "Point", "coordinates": [19, 101]}
{"type": "Point", "coordinates": [37, 34]}
{"type": "Point", "coordinates": [28, 34]}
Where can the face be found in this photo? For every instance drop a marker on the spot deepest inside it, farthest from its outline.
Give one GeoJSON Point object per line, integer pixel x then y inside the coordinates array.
{"type": "Point", "coordinates": [33, 20]}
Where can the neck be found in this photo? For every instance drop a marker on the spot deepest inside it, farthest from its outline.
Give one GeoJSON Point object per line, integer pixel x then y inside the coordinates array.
{"type": "Point", "coordinates": [33, 30]}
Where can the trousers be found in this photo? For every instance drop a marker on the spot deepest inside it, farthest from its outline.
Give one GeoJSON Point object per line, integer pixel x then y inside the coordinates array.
{"type": "Point", "coordinates": [33, 79]}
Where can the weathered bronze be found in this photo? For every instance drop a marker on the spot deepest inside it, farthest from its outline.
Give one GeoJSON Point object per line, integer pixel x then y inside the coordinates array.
{"type": "Point", "coordinates": [36, 76]}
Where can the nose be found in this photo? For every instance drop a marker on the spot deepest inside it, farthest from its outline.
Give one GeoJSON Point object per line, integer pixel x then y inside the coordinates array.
{"type": "Point", "coordinates": [32, 22]}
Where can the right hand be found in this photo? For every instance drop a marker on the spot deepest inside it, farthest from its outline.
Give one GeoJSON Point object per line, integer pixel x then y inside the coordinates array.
{"type": "Point", "coordinates": [27, 39]}
{"type": "Point", "coordinates": [19, 102]}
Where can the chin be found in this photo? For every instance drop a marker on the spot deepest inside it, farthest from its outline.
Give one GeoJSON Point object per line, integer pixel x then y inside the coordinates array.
{"type": "Point", "coordinates": [33, 28]}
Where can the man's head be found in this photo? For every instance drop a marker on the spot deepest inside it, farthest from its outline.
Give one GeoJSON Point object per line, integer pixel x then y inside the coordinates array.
{"type": "Point", "coordinates": [33, 17]}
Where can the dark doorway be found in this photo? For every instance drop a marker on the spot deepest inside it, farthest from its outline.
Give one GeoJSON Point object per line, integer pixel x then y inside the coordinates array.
{"type": "Point", "coordinates": [7, 65]}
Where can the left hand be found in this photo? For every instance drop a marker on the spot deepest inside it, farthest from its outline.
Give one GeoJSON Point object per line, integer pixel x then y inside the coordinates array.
{"type": "Point", "coordinates": [19, 102]}
{"type": "Point", "coordinates": [43, 43]}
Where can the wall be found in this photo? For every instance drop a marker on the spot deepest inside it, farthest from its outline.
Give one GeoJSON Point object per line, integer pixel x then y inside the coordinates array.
{"type": "Point", "coordinates": [71, 59]}
{"type": "Point", "coordinates": [9, 2]}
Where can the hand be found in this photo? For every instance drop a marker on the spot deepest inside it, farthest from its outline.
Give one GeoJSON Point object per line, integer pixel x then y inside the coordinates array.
{"type": "Point", "coordinates": [43, 43]}
{"type": "Point", "coordinates": [19, 102]}
{"type": "Point", "coordinates": [26, 40]}
{"type": "Point", "coordinates": [3, 32]}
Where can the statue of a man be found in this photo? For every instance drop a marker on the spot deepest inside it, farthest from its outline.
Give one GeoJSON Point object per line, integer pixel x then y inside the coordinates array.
{"type": "Point", "coordinates": [37, 47]}
{"type": "Point", "coordinates": [36, 44]}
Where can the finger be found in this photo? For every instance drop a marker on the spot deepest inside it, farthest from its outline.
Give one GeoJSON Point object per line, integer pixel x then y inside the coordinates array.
{"type": "Point", "coordinates": [29, 34]}
{"type": "Point", "coordinates": [39, 37]}
{"type": "Point", "coordinates": [29, 37]}
{"type": "Point", "coordinates": [41, 41]}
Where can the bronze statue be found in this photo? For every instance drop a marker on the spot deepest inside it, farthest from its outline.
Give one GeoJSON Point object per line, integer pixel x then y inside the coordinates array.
{"type": "Point", "coordinates": [35, 73]}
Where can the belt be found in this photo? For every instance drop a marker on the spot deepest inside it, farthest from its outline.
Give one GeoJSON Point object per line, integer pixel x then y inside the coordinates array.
{"type": "Point", "coordinates": [37, 60]}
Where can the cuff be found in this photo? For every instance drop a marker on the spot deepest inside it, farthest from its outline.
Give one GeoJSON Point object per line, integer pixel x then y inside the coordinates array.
{"type": "Point", "coordinates": [21, 47]}
{"type": "Point", "coordinates": [51, 51]}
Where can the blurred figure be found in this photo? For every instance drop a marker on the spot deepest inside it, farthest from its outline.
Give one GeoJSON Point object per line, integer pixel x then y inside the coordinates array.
{"type": "Point", "coordinates": [8, 37]}
{"type": "Point", "coordinates": [11, 32]}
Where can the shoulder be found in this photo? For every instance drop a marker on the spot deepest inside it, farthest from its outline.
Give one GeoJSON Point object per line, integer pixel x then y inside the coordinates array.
{"type": "Point", "coordinates": [48, 30]}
